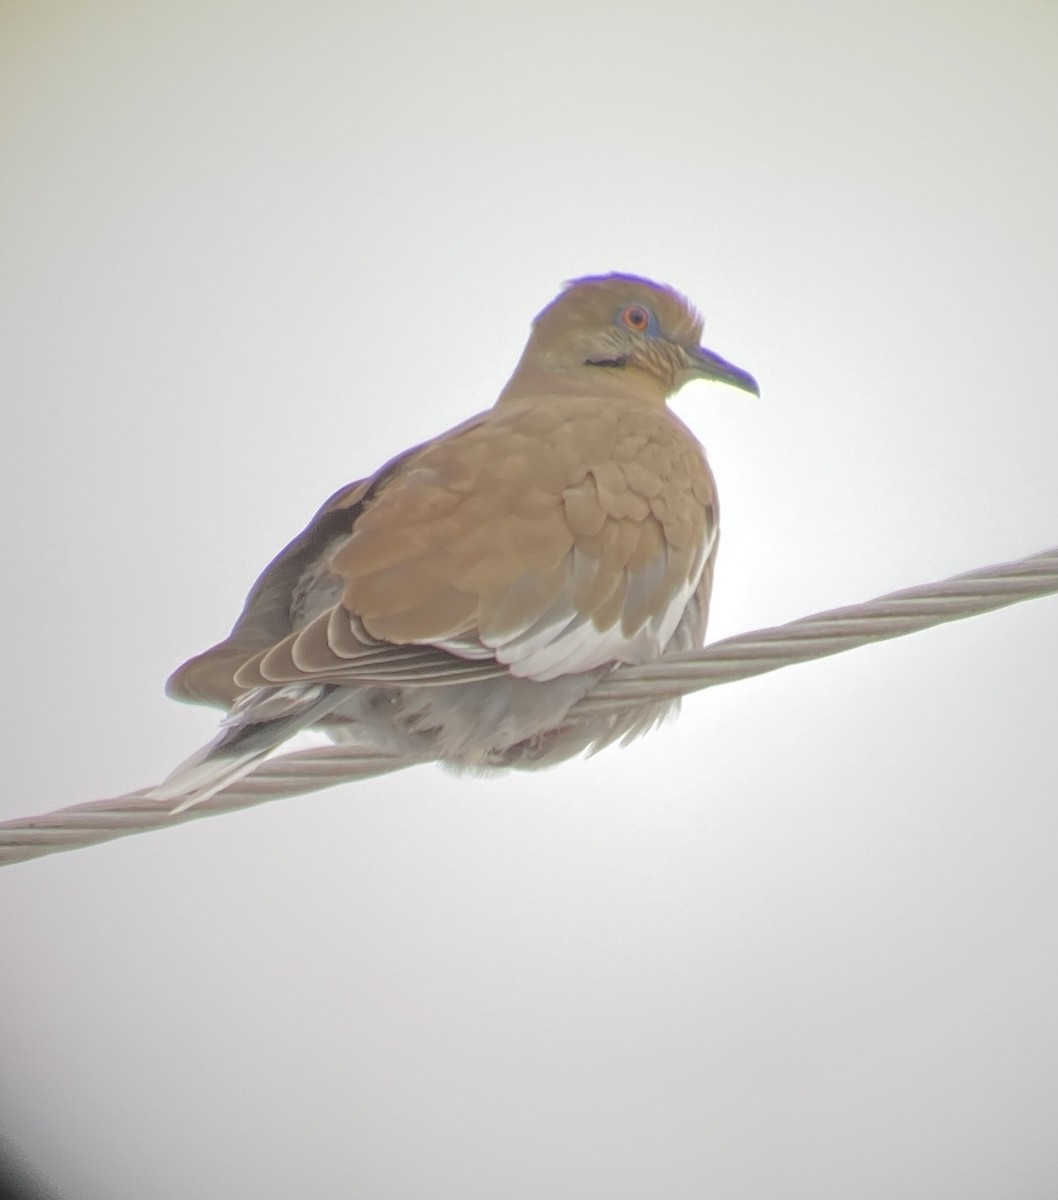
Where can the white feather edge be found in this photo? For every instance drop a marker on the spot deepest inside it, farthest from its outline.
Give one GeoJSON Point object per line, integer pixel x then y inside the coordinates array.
{"type": "Point", "coordinates": [562, 642]}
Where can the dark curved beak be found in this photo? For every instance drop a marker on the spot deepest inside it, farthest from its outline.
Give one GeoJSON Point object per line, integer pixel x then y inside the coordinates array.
{"type": "Point", "coordinates": [704, 364]}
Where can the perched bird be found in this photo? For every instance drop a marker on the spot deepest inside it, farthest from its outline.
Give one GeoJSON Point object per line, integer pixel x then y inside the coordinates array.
{"type": "Point", "coordinates": [456, 604]}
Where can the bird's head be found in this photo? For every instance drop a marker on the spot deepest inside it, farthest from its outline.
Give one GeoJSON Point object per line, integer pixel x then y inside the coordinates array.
{"type": "Point", "coordinates": [619, 334]}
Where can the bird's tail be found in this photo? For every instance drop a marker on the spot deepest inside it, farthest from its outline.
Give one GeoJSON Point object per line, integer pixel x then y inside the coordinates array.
{"type": "Point", "coordinates": [260, 721]}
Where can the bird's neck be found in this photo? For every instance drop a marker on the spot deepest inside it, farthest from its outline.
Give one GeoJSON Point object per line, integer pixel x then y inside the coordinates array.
{"type": "Point", "coordinates": [621, 384]}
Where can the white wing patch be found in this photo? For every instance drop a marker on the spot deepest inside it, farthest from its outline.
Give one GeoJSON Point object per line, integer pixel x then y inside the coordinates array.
{"type": "Point", "coordinates": [564, 642]}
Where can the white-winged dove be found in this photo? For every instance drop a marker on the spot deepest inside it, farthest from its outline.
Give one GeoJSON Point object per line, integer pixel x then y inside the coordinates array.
{"type": "Point", "coordinates": [458, 602]}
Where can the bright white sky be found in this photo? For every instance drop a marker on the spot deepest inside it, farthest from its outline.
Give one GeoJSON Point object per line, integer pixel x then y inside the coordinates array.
{"type": "Point", "coordinates": [801, 944]}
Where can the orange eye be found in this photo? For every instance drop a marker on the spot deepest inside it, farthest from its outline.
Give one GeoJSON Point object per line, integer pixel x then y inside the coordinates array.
{"type": "Point", "coordinates": [636, 317]}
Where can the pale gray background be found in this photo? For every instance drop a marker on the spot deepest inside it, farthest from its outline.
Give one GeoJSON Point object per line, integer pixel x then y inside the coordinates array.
{"type": "Point", "coordinates": [802, 944]}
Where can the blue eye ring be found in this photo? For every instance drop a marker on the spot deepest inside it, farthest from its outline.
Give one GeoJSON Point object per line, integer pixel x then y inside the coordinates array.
{"type": "Point", "coordinates": [637, 318]}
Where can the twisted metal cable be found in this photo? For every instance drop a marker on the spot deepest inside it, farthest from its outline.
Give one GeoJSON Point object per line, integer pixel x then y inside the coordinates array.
{"type": "Point", "coordinates": [733, 658]}
{"type": "Point", "coordinates": [831, 632]}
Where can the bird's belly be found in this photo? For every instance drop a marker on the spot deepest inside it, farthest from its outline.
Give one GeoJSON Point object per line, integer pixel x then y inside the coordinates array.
{"type": "Point", "coordinates": [488, 724]}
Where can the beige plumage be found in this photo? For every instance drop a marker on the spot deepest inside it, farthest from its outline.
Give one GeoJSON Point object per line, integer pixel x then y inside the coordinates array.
{"type": "Point", "coordinates": [457, 603]}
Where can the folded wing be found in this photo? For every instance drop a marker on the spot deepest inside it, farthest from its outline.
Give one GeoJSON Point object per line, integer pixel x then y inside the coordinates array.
{"type": "Point", "coordinates": [538, 541]}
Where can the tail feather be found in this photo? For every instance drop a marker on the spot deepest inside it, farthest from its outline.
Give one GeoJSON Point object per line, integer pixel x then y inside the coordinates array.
{"type": "Point", "coordinates": [259, 723]}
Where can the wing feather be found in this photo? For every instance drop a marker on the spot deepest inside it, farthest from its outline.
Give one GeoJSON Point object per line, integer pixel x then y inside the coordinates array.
{"type": "Point", "coordinates": [524, 542]}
